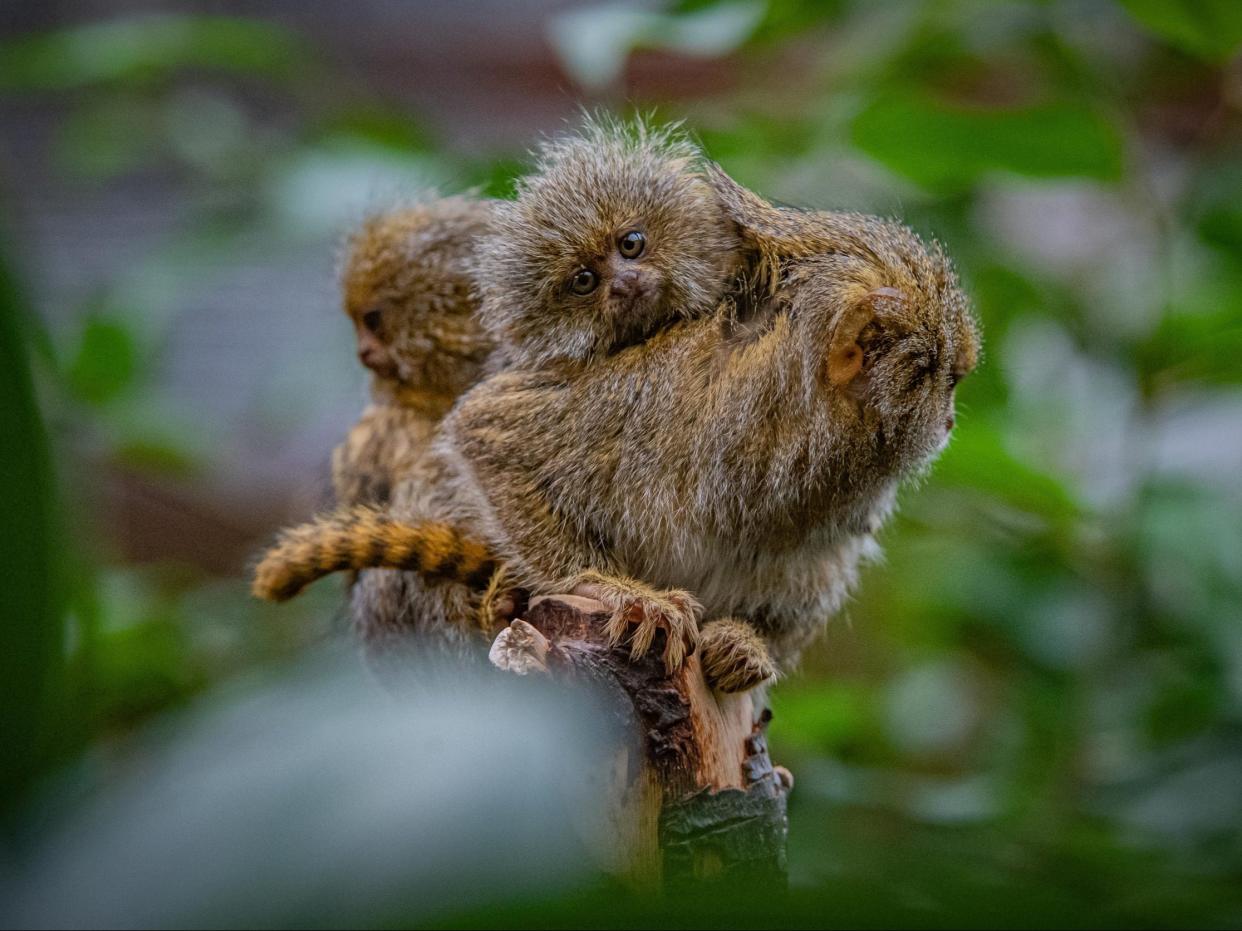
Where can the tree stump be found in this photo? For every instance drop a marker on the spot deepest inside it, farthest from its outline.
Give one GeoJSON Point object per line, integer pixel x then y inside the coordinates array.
{"type": "Point", "coordinates": [691, 795]}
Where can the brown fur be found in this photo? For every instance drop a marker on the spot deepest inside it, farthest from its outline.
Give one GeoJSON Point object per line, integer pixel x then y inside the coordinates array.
{"type": "Point", "coordinates": [734, 656]}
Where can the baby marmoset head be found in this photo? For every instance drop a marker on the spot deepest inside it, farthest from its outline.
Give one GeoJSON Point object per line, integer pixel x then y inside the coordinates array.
{"type": "Point", "coordinates": [615, 234]}
{"type": "Point", "coordinates": [407, 289]}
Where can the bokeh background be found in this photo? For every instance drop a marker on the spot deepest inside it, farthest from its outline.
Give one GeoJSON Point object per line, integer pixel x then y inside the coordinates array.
{"type": "Point", "coordinates": [1031, 712]}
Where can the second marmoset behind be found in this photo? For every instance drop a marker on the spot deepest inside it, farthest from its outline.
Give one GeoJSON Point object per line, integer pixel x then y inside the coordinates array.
{"type": "Point", "coordinates": [407, 289]}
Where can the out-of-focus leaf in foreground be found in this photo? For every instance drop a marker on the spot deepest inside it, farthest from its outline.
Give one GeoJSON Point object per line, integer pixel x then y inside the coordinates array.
{"type": "Point", "coordinates": [31, 656]}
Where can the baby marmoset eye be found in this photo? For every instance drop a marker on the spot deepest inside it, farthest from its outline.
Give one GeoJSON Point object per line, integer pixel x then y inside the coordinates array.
{"type": "Point", "coordinates": [584, 282]}
{"type": "Point", "coordinates": [372, 319]}
{"type": "Point", "coordinates": [632, 244]}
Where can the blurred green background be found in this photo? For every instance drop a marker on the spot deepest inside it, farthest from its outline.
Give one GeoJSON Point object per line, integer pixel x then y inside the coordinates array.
{"type": "Point", "coordinates": [1031, 712]}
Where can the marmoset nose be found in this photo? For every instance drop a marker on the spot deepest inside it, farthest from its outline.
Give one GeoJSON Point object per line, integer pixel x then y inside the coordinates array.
{"type": "Point", "coordinates": [625, 284]}
{"type": "Point", "coordinates": [948, 423]}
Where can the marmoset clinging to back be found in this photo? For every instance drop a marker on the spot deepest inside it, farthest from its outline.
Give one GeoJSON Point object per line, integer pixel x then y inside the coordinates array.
{"type": "Point", "coordinates": [748, 457]}
{"type": "Point", "coordinates": [408, 292]}
{"type": "Point", "coordinates": [616, 234]}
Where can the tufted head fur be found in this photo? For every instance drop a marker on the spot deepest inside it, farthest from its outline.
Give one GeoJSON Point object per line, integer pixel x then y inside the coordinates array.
{"type": "Point", "coordinates": [615, 234]}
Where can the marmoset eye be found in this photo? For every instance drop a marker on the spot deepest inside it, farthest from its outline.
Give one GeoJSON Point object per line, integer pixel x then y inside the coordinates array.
{"type": "Point", "coordinates": [632, 244]}
{"type": "Point", "coordinates": [584, 281]}
{"type": "Point", "coordinates": [372, 319]}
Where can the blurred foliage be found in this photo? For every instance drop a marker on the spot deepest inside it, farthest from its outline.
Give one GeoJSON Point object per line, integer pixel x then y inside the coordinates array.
{"type": "Point", "coordinates": [947, 147]}
{"type": "Point", "coordinates": [594, 42]}
{"type": "Point", "coordinates": [1210, 28]}
{"type": "Point", "coordinates": [31, 677]}
{"type": "Point", "coordinates": [147, 50]}
{"type": "Point", "coordinates": [1033, 710]}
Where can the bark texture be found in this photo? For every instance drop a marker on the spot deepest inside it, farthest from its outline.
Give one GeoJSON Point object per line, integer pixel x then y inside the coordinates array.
{"type": "Point", "coordinates": [691, 794]}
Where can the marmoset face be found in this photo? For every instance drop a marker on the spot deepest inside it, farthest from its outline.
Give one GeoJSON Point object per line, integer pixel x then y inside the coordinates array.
{"type": "Point", "coordinates": [629, 263]}
{"type": "Point", "coordinates": [921, 344]}
{"type": "Point", "coordinates": [372, 328]}
{"type": "Point", "coordinates": [615, 235]}
{"type": "Point", "coordinates": [408, 293]}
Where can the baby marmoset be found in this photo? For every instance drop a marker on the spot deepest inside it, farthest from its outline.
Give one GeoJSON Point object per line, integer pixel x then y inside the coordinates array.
{"type": "Point", "coordinates": [616, 234]}
{"type": "Point", "coordinates": [407, 290]}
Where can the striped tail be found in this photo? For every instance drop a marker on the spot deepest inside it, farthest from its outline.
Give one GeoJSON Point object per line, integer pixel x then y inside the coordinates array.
{"type": "Point", "coordinates": [366, 538]}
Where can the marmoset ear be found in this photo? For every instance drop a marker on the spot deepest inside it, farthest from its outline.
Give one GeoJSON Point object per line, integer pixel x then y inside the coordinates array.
{"type": "Point", "coordinates": [845, 347]}
{"type": "Point", "coordinates": [773, 231]}
{"type": "Point", "coordinates": [748, 210]}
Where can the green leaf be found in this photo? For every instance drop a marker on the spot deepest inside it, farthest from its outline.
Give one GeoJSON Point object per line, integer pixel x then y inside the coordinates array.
{"type": "Point", "coordinates": [32, 648]}
{"type": "Point", "coordinates": [157, 454]}
{"type": "Point", "coordinates": [107, 137]}
{"type": "Point", "coordinates": [785, 18]}
{"type": "Point", "coordinates": [824, 716]}
{"type": "Point", "coordinates": [141, 48]}
{"type": "Point", "coordinates": [1189, 347]}
{"type": "Point", "coordinates": [593, 43]}
{"type": "Point", "coordinates": [496, 177]}
{"type": "Point", "coordinates": [946, 146]}
{"type": "Point", "coordinates": [380, 126]}
{"type": "Point", "coordinates": [1210, 29]}
{"type": "Point", "coordinates": [145, 667]}
{"type": "Point", "coordinates": [106, 361]}
{"type": "Point", "coordinates": [977, 459]}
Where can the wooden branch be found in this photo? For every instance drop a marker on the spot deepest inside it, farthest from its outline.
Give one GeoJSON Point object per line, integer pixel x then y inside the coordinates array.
{"type": "Point", "coordinates": [691, 794]}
